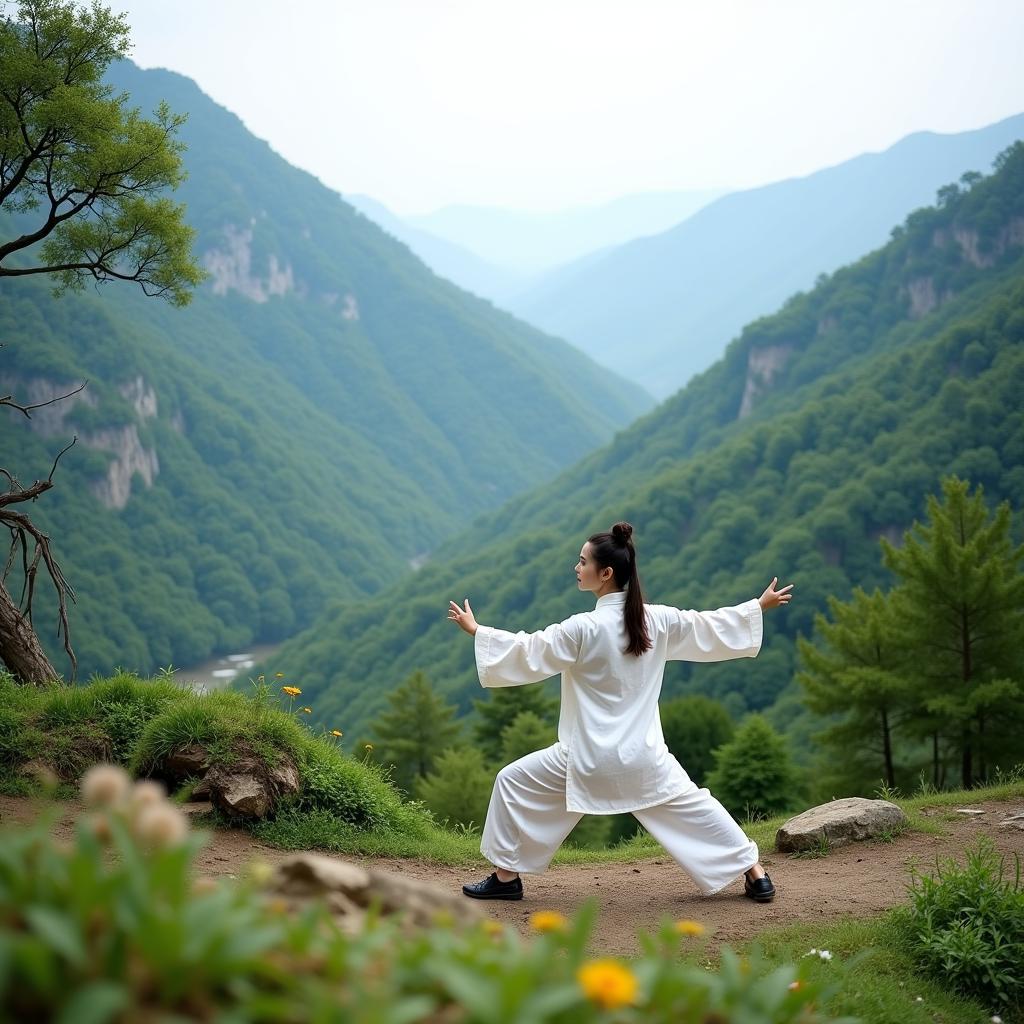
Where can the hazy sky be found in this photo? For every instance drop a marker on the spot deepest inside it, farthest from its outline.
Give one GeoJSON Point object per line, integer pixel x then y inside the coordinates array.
{"type": "Point", "coordinates": [551, 103]}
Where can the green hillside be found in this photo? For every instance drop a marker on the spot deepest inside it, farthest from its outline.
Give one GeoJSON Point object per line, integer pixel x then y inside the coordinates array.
{"type": "Point", "coordinates": [821, 429]}
{"type": "Point", "coordinates": [324, 412]}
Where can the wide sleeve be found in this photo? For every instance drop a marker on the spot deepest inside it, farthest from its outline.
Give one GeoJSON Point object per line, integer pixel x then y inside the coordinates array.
{"type": "Point", "coordinates": [720, 635]}
{"type": "Point", "coordinates": [513, 659]}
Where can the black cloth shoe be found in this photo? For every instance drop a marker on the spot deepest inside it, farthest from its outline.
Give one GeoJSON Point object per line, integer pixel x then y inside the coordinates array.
{"type": "Point", "coordinates": [761, 890]}
{"type": "Point", "coordinates": [491, 889]}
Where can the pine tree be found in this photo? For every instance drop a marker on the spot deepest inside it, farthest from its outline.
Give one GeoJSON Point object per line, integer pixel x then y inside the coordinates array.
{"type": "Point", "coordinates": [693, 727]}
{"type": "Point", "coordinates": [960, 608]}
{"type": "Point", "coordinates": [525, 733]}
{"type": "Point", "coordinates": [754, 774]}
{"type": "Point", "coordinates": [503, 705]}
{"type": "Point", "coordinates": [417, 726]}
{"type": "Point", "coordinates": [859, 673]}
{"type": "Point", "coordinates": [458, 787]}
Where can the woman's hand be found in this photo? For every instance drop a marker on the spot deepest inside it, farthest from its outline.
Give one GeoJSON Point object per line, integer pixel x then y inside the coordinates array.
{"type": "Point", "coordinates": [772, 598]}
{"type": "Point", "coordinates": [462, 617]}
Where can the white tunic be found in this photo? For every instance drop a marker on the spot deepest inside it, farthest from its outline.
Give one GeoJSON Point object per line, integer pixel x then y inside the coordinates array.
{"type": "Point", "coordinates": [609, 726]}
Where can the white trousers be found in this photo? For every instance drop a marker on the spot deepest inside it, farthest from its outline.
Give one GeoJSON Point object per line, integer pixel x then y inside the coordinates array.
{"type": "Point", "coordinates": [527, 822]}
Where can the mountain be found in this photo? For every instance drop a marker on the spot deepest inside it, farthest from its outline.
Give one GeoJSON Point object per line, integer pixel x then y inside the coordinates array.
{"type": "Point", "coordinates": [448, 260]}
{"type": "Point", "coordinates": [325, 411]}
{"type": "Point", "coordinates": [823, 427]}
{"type": "Point", "coordinates": [534, 241]}
{"type": "Point", "coordinates": [660, 309]}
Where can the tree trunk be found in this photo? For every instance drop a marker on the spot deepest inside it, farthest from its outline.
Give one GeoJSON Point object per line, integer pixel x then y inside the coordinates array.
{"type": "Point", "coordinates": [966, 766]}
{"type": "Point", "coordinates": [20, 649]}
{"type": "Point", "coordinates": [890, 775]}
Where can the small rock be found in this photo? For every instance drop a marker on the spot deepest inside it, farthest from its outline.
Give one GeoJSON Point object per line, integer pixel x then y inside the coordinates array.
{"type": "Point", "coordinates": [1013, 821]}
{"type": "Point", "coordinates": [196, 808]}
{"type": "Point", "coordinates": [349, 890]}
{"type": "Point", "coordinates": [969, 810]}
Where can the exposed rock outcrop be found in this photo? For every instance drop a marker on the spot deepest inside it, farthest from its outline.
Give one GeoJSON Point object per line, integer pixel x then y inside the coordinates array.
{"type": "Point", "coordinates": [114, 488]}
{"type": "Point", "coordinates": [839, 822]}
{"type": "Point", "coordinates": [130, 458]}
{"type": "Point", "coordinates": [231, 268]}
{"type": "Point", "coordinates": [763, 366]}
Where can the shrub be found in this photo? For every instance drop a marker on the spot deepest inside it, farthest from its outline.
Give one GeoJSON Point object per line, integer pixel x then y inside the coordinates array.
{"type": "Point", "coordinates": [966, 924]}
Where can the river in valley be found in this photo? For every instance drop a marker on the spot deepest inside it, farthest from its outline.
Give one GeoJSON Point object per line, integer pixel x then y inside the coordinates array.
{"type": "Point", "coordinates": [219, 672]}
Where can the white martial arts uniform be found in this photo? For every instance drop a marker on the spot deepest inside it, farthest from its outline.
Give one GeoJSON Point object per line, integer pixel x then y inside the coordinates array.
{"type": "Point", "coordinates": [611, 755]}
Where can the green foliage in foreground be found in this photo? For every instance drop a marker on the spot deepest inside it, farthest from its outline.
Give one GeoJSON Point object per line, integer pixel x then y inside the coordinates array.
{"type": "Point", "coordinates": [965, 925]}
{"type": "Point", "coordinates": [86, 936]}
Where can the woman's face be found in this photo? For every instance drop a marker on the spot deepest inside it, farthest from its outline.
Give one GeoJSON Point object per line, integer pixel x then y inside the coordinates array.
{"type": "Point", "coordinates": [589, 575]}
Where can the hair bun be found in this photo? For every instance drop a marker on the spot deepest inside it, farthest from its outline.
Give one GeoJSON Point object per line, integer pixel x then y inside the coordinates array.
{"type": "Point", "coordinates": [622, 532]}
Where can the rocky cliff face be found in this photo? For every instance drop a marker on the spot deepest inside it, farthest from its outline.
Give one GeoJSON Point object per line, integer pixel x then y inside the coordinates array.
{"type": "Point", "coordinates": [122, 443]}
{"type": "Point", "coordinates": [230, 266]}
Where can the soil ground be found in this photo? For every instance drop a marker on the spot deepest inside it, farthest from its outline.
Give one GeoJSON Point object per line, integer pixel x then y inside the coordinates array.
{"type": "Point", "coordinates": [860, 880]}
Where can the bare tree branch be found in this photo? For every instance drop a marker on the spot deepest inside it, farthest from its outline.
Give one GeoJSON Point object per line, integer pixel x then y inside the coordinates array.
{"type": "Point", "coordinates": [9, 400]}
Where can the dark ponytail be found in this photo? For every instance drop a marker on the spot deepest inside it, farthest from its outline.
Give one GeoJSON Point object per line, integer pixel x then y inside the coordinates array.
{"type": "Point", "coordinates": [615, 550]}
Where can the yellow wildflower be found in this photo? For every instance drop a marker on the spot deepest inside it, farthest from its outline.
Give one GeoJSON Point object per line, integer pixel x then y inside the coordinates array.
{"type": "Point", "coordinates": [608, 983]}
{"type": "Point", "coordinates": [292, 691]}
{"type": "Point", "coordinates": [690, 928]}
{"type": "Point", "coordinates": [279, 675]}
{"type": "Point", "coordinates": [306, 711]}
{"type": "Point", "coordinates": [337, 732]}
{"type": "Point", "coordinates": [548, 921]}
{"type": "Point", "coordinates": [369, 746]}
{"type": "Point", "coordinates": [492, 928]}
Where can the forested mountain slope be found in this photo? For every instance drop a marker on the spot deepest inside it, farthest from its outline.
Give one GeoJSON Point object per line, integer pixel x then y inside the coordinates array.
{"type": "Point", "coordinates": [326, 410]}
{"type": "Point", "coordinates": [822, 428]}
{"type": "Point", "coordinates": [660, 309]}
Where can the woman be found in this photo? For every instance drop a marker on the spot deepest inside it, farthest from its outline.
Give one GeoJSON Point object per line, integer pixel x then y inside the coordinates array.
{"type": "Point", "coordinates": [611, 756]}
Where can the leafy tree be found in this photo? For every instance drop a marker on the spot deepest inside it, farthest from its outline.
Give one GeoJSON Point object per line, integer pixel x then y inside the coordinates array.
{"type": "Point", "coordinates": [859, 674]}
{"type": "Point", "coordinates": [501, 708]}
{"type": "Point", "coordinates": [754, 773]}
{"type": "Point", "coordinates": [694, 726]}
{"type": "Point", "coordinates": [85, 176]}
{"type": "Point", "coordinates": [525, 733]}
{"type": "Point", "coordinates": [960, 608]}
{"type": "Point", "coordinates": [458, 787]}
{"type": "Point", "coordinates": [416, 727]}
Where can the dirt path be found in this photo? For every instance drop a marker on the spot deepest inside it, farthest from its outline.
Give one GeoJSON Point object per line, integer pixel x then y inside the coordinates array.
{"type": "Point", "coordinates": [858, 880]}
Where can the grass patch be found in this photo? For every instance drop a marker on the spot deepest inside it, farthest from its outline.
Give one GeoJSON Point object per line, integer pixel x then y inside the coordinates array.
{"type": "Point", "coordinates": [881, 986]}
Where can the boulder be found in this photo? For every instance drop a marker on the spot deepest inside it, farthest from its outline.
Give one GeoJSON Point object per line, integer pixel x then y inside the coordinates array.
{"type": "Point", "coordinates": [839, 822]}
{"type": "Point", "coordinates": [249, 788]}
{"type": "Point", "coordinates": [349, 890]}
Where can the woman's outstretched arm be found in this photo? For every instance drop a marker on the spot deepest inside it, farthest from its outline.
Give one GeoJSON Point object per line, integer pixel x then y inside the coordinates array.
{"type": "Point", "coordinates": [724, 633]}
{"type": "Point", "coordinates": [514, 659]}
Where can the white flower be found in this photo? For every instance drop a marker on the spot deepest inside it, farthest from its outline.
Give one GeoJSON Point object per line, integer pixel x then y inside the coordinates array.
{"type": "Point", "coordinates": [996, 1019]}
{"type": "Point", "coordinates": [161, 825]}
{"type": "Point", "coordinates": [918, 999]}
{"type": "Point", "coordinates": [146, 793]}
{"type": "Point", "coordinates": [824, 954]}
{"type": "Point", "coordinates": [811, 952]}
{"type": "Point", "coordinates": [104, 785]}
